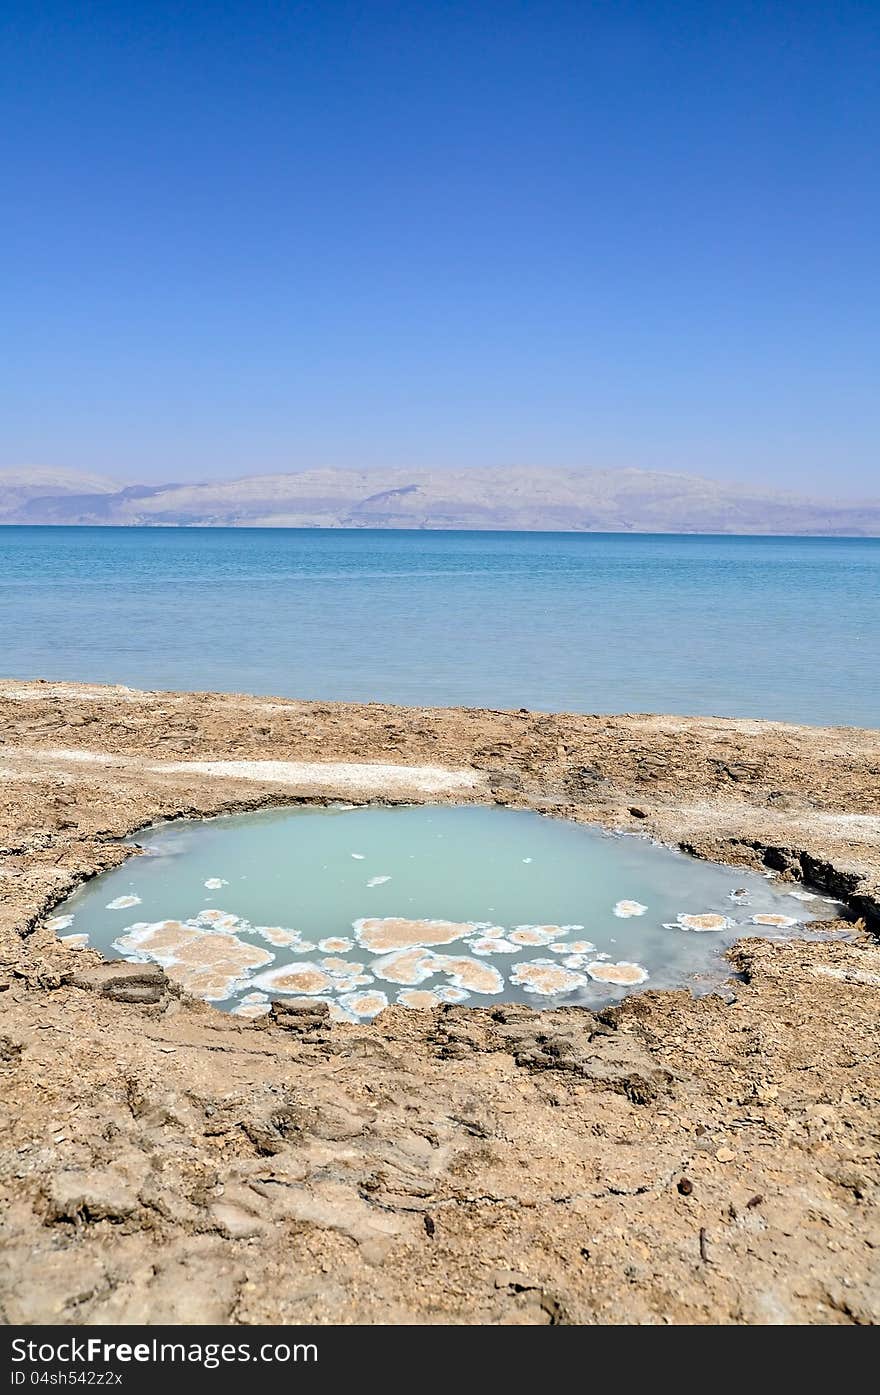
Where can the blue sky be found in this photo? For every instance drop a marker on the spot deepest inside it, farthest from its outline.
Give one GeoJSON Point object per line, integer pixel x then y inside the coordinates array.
{"type": "Point", "coordinates": [257, 236]}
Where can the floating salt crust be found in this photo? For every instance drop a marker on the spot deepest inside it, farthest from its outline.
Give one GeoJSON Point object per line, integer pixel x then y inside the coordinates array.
{"type": "Point", "coordinates": [301, 979]}
{"type": "Point", "coordinates": [780, 922]}
{"type": "Point", "coordinates": [122, 903]}
{"type": "Point", "coordinates": [700, 923]}
{"type": "Point", "coordinates": [625, 909]}
{"type": "Point", "coordinates": [449, 993]}
{"type": "Point", "coordinates": [364, 1004]}
{"type": "Point", "coordinates": [280, 937]}
{"type": "Point", "coordinates": [59, 922]}
{"type": "Point", "coordinates": [492, 944]}
{"type": "Point", "coordinates": [418, 998]}
{"type": "Point", "coordinates": [547, 977]}
{"type": "Point", "coordinates": [623, 973]}
{"type": "Point", "coordinates": [207, 963]}
{"type": "Point", "coordinates": [393, 932]}
{"type": "Point", "coordinates": [335, 944]}
{"type": "Point", "coordinates": [378, 881]}
{"type": "Point", "coordinates": [244, 1009]}
{"type": "Point", "coordinates": [407, 966]}
{"type": "Point", "coordinates": [215, 883]}
{"type": "Point", "coordinates": [535, 934]}
{"type": "Point", "coordinates": [469, 974]}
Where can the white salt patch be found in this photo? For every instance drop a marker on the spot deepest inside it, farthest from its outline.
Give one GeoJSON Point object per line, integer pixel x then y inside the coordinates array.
{"type": "Point", "coordinates": [206, 963]}
{"type": "Point", "coordinates": [279, 936]}
{"type": "Point", "coordinates": [59, 922]}
{"type": "Point", "coordinates": [305, 979]}
{"type": "Point", "coordinates": [547, 978]}
{"type": "Point", "coordinates": [527, 859]}
{"type": "Point", "coordinates": [780, 922]}
{"type": "Point", "coordinates": [339, 1014]}
{"type": "Point", "coordinates": [409, 966]}
{"type": "Point", "coordinates": [625, 909]}
{"type": "Point", "coordinates": [359, 857]}
{"type": "Point", "coordinates": [448, 993]}
{"type": "Point", "coordinates": [492, 944]}
{"type": "Point", "coordinates": [469, 974]}
{"type": "Point", "coordinates": [395, 932]}
{"type": "Point", "coordinates": [847, 975]}
{"type": "Point", "coordinates": [701, 923]}
{"type": "Point", "coordinates": [378, 881]}
{"type": "Point", "coordinates": [364, 1004]}
{"type": "Point", "coordinates": [74, 941]}
{"type": "Point", "coordinates": [337, 966]}
{"type": "Point", "coordinates": [122, 903]}
{"type": "Point", "coordinates": [254, 1009]}
{"type": "Point", "coordinates": [418, 998]}
{"type": "Point", "coordinates": [573, 947]}
{"type": "Point", "coordinates": [349, 775]}
{"type": "Point", "coordinates": [218, 920]}
{"type": "Point", "coordinates": [534, 934]}
{"type": "Point", "coordinates": [335, 944]}
{"type": "Point", "coordinates": [576, 961]}
{"type": "Point", "coordinates": [344, 983]}
{"type": "Point", "coordinates": [623, 973]}
{"type": "Point", "coordinates": [215, 883]}
{"type": "Point", "coordinates": [802, 895]}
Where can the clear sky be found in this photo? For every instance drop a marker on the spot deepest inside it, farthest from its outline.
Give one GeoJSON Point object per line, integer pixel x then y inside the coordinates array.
{"type": "Point", "coordinates": [249, 236]}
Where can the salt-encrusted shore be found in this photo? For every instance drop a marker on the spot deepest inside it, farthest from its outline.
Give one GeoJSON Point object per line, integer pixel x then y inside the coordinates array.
{"type": "Point", "coordinates": [675, 1159]}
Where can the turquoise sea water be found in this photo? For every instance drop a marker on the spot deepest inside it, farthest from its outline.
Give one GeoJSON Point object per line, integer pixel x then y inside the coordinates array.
{"type": "Point", "coordinates": [318, 901]}
{"type": "Point", "coordinates": [785, 628]}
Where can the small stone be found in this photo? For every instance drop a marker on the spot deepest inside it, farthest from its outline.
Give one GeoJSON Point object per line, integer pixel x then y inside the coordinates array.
{"type": "Point", "coordinates": [685, 1186]}
{"type": "Point", "coordinates": [235, 1222]}
{"type": "Point", "coordinates": [725, 1155]}
{"type": "Point", "coordinates": [513, 1279]}
{"type": "Point", "coordinates": [89, 1196]}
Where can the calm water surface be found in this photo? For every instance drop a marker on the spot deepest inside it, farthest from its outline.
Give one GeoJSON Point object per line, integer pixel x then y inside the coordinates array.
{"type": "Point", "coordinates": [785, 628]}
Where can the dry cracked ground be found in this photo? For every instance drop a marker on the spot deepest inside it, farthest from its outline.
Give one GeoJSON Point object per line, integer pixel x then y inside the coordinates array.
{"type": "Point", "coordinates": [679, 1160]}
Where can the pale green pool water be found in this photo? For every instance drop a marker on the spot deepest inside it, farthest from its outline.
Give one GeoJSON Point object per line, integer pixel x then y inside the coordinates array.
{"type": "Point", "coordinates": [459, 891]}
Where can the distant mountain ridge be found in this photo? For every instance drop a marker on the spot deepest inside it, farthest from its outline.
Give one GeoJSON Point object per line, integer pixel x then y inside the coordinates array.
{"type": "Point", "coordinates": [617, 501]}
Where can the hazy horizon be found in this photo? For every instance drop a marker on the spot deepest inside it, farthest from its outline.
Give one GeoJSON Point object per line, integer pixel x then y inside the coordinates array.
{"type": "Point", "coordinates": [443, 237]}
{"type": "Point", "coordinates": [127, 479]}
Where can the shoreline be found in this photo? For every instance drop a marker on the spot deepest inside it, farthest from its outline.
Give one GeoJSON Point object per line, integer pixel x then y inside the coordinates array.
{"type": "Point", "coordinates": [514, 1130]}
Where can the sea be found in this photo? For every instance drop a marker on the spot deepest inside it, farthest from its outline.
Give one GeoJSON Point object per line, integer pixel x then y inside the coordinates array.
{"type": "Point", "coordinates": [771, 627]}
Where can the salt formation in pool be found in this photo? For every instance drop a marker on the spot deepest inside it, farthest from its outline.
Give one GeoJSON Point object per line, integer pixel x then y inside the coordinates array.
{"type": "Point", "coordinates": [363, 908]}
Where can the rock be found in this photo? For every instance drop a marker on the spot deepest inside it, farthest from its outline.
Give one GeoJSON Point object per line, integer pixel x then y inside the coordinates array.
{"type": "Point", "coordinates": [123, 982]}
{"type": "Point", "coordinates": [89, 1196]}
{"type": "Point", "coordinates": [514, 1280]}
{"type": "Point", "coordinates": [234, 1222]}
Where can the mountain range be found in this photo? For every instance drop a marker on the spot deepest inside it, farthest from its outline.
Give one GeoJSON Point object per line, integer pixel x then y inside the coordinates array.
{"type": "Point", "coordinates": [516, 498]}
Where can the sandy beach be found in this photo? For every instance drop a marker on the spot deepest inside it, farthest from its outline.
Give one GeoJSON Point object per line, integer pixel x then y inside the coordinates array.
{"type": "Point", "coordinates": [671, 1160]}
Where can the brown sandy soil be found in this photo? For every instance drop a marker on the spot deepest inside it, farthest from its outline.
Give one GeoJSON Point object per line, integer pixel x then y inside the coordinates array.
{"type": "Point", "coordinates": [673, 1160]}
